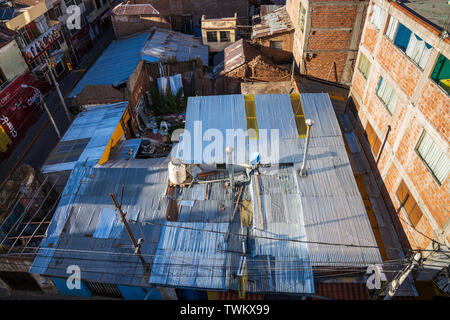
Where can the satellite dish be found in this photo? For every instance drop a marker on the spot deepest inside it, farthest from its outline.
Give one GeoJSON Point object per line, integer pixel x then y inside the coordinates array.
{"type": "Point", "coordinates": [255, 158]}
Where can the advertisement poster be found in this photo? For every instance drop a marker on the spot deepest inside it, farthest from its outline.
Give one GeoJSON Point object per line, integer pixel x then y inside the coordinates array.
{"type": "Point", "coordinates": [41, 44]}
{"type": "Point", "coordinates": [19, 107]}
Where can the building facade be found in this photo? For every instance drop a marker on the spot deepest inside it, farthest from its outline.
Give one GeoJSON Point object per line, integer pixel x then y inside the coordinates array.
{"type": "Point", "coordinates": [219, 33]}
{"type": "Point", "coordinates": [326, 37]}
{"type": "Point", "coordinates": [40, 38]}
{"type": "Point", "coordinates": [186, 15]}
{"type": "Point", "coordinates": [274, 33]}
{"type": "Point", "coordinates": [400, 93]}
{"type": "Point", "coordinates": [128, 19]}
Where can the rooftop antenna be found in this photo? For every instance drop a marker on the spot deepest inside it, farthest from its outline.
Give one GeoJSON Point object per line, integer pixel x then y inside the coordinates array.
{"type": "Point", "coordinates": [309, 124]}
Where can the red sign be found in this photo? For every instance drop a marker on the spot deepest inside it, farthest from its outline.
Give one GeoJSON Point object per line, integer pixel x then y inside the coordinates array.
{"type": "Point", "coordinates": [19, 106]}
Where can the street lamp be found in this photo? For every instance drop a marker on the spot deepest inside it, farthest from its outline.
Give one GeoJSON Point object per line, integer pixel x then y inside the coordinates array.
{"type": "Point", "coordinates": [45, 107]}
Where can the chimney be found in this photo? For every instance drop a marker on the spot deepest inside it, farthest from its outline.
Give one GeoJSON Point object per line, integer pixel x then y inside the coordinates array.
{"type": "Point", "coordinates": [309, 124]}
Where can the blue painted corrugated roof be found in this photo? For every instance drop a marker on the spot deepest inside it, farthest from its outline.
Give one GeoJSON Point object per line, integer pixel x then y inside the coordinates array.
{"type": "Point", "coordinates": [97, 125]}
{"type": "Point", "coordinates": [115, 65]}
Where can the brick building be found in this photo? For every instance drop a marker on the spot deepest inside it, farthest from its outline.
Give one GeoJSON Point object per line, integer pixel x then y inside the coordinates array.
{"type": "Point", "coordinates": [327, 35]}
{"type": "Point", "coordinates": [186, 15]}
{"type": "Point", "coordinates": [400, 94]}
{"type": "Point", "coordinates": [274, 33]}
{"type": "Point", "coordinates": [128, 19]}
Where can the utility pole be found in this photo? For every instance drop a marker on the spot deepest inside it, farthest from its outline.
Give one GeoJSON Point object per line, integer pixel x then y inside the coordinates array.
{"type": "Point", "coordinates": [137, 245]}
{"type": "Point", "coordinates": [45, 107]}
{"type": "Point", "coordinates": [398, 280]}
{"type": "Point", "coordinates": [59, 91]}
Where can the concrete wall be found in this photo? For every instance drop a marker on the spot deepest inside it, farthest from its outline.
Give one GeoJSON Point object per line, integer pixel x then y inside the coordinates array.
{"type": "Point", "coordinates": [218, 25]}
{"type": "Point", "coordinates": [326, 48]}
{"type": "Point", "coordinates": [421, 105]}
{"type": "Point", "coordinates": [127, 25]}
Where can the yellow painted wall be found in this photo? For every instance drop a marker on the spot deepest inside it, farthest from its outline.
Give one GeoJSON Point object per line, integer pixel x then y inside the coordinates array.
{"type": "Point", "coordinates": [4, 140]}
{"type": "Point", "coordinates": [11, 61]}
{"type": "Point", "coordinates": [216, 25]}
{"type": "Point", "coordinates": [117, 134]}
{"type": "Point", "coordinates": [26, 17]}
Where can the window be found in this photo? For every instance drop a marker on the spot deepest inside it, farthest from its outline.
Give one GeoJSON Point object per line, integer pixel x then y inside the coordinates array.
{"type": "Point", "coordinates": [104, 289]}
{"type": "Point", "coordinates": [410, 43]}
{"type": "Point", "coordinates": [433, 157]}
{"type": "Point", "coordinates": [364, 65]}
{"type": "Point", "coordinates": [374, 142]}
{"type": "Point", "coordinates": [408, 203]}
{"type": "Point", "coordinates": [441, 73]}
{"type": "Point", "coordinates": [211, 36]}
{"type": "Point", "coordinates": [418, 50]}
{"type": "Point", "coordinates": [377, 16]}
{"type": "Point", "coordinates": [41, 24]}
{"type": "Point", "coordinates": [387, 95]}
{"type": "Point", "coordinates": [224, 36]}
{"type": "Point", "coordinates": [392, 28]}
{"type": "Point", "coordinates": [301, 17]}
{"type": "Point", "coordinates": [276, 45]}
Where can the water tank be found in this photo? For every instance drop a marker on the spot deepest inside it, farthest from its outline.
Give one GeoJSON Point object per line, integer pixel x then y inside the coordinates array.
{"type": "Point", "coordinates": [177, 172]}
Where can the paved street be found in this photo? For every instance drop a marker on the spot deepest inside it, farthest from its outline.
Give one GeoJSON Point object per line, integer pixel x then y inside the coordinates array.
{"type": "Point", "coordinates": [41, 137]}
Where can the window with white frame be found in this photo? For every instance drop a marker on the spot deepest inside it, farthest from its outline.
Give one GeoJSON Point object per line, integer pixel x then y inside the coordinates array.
{"type": "Point", "coordinates": [364, 65]}
{"type": "Point", "coordinates": [377, 16]}
{"type": "Point", "coordinates": [434, 158]}
{"type": "Point", "coordinates": [410, 43]}
{"type": "Point", "coordinates": [392, 28]}
{"type": "Point", "coordinates": [387, 95]}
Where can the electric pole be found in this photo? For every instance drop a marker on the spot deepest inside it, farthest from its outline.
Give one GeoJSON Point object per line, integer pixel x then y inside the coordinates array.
{"type": "Point", "coordinates": [45, 107]}
{"type": "Point", "coordinates": [398, 280]}
{"type": "Point", "coordinates": [136, 244]}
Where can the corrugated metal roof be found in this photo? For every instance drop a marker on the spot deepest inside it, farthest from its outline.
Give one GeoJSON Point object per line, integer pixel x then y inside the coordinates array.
{"type": "Point", "coordinates": [326, 131]}
{"type": "Point", "coordinates": [233, 56]}
{"type": "Point", "coordinates": [288, 263]}
{"type": "Point", "coordinates": [115, 65]}
{"type": "Point", "coordinates": [94, 128]}
{"type": "Point", "coordinates": [71, 236]}
{"type": "Point", "coordinates": [164, 45]}
{"type": "Point", "coordinates": [324, 206]}
{"type": "Point", "coordinates": [272, 23]}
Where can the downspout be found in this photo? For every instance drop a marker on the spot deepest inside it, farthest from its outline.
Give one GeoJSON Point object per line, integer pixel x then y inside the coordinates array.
{"type": "Point", "coordinates": [382, 146]}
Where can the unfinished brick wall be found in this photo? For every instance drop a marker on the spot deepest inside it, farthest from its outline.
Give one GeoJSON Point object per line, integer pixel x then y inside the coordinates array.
{"type": "Point", "coordinates": [333, 16]}
{"type": "Point", "coordinates": [416, 239]}
{"type": "Point", "coordinates": [359, 84]}
{"type": "Point", "coordinates": [326, 65]}
{"type": "Point", "coordinates": [370, 38]}
{"type": "Point", "coordinates": [405, 73]}
{"type": "Point", "coordinates": [439, 114]}
{"type": "Point", "coordinates": [433, 195]}
{"type": "Point", "coordinates": [278, 56]}
{"type": "Point", "coordinates": [328, 37]}
{"type": "Point", "coordinates": [327, 40]}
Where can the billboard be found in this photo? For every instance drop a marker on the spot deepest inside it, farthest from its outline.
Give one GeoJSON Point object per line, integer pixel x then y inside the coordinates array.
{"type": "Point", "coordinates": [19, 107]}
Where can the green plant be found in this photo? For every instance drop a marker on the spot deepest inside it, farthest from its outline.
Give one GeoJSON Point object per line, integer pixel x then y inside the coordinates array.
{"type": "Point", "coordinates": [166, 104]}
